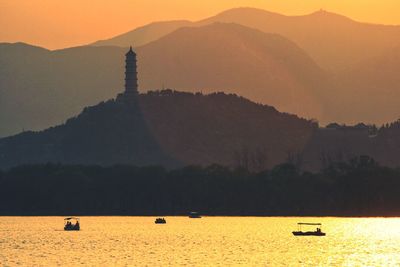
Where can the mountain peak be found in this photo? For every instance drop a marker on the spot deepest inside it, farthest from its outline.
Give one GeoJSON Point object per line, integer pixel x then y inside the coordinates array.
{"type": "Point", "coordinates": [22, 45]}
{"type": "Point", "coordinates": [322, 13]}
{"type": "Point", "coordinates": [243, 12]}
{"type": "Point", "coordinates": [144, 34]}
{"type": "Point", "coordinates": [249, 9]}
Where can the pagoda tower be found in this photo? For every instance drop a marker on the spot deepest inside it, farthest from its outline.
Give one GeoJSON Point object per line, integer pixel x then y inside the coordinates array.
{"type": "Point", "coordinates": [131, 81]}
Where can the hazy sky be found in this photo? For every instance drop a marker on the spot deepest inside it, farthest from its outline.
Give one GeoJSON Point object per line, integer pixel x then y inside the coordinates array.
{"type": "Point", "coordinates": [58, 23]}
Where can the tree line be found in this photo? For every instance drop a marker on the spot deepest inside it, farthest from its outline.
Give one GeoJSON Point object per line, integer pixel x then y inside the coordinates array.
{"type": "Point", "coordinates": [359, 187]}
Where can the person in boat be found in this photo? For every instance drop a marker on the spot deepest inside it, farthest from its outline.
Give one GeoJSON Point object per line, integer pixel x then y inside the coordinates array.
{"type": "Point", "coordinates": [68, 224]}
{"type": "Point", "coordinates": [77, 224]}
{"type": "Point", "coordinates": [318, 230]}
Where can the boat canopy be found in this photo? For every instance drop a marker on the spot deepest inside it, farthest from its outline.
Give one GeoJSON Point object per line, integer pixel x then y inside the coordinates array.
{"type": "Point", "coordinates": [71, 218]}
{"type": "Point", "coordinates": [300, 223]}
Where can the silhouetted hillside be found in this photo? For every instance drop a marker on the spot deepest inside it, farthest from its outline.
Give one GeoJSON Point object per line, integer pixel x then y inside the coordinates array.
{"type": "Point", "coordinates": [341, 143]}
{"type": "Point", "coordinates": [166, 128]}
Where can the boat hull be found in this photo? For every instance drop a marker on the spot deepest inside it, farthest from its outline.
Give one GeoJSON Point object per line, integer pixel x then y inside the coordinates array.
{"type": "Point", "coordinates": [160, 221]}
{"type": "Point", "coordinates": [299, 233]}
{"type": "Point", "coordinates": [72, 228]}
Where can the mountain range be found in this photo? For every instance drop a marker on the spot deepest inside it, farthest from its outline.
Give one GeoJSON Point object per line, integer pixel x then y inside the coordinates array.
{"type": "Point", "coordinates": [334, 41]}
{"type": "Point", "coordinates": [322, 65]}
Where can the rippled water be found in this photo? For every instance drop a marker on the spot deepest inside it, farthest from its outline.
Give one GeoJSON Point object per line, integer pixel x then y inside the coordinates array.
{"type": "Point", "coordinates": [223, 241]}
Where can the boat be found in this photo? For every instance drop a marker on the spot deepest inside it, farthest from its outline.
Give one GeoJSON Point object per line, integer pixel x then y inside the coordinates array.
{"type": "Point", "coordinates": [72, 224]}
{"type": "Point", "coordinates": [160, 221]}
{"type": "Point", "coordinates": [317, 231]}
{"type": "Point", "coordinates": [194, 215]}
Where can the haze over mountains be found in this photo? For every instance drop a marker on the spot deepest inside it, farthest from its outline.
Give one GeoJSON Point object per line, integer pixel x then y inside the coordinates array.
{"type": "Point", "coordinates": [322, 66]}
{"type": "Point", "coordinates": [334, 41]}
{"type": "Point", "coordinates": [373, 87]}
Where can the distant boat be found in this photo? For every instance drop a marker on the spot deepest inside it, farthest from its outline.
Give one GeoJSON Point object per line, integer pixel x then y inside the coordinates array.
{"type": "Point", "coordinates": [194, 215]}
{"type": "Point", "coordinates": [72, 224]}
{"type": "Point", "coordinates": [160, 221]}
{"type": "Point", "coordinates": [317, 231]}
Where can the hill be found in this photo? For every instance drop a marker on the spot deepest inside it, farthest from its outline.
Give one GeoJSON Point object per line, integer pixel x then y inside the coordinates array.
{"type": "Point", "coordinates": [144, 35]}
{"type": "Point", "coordinates": [166, 128]}
{"type": "Point", "coordinates": [40, 88]}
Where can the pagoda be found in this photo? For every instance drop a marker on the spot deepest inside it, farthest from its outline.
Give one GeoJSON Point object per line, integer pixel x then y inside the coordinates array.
{"type": "Point", "coordinates": [131, 80]}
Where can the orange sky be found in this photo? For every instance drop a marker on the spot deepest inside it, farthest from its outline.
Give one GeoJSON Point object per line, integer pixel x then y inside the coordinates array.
{"type": "Point", "coordinates": [58, 23]}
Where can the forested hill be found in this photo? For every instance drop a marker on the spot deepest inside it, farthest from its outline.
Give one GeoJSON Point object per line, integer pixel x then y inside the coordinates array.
{"type": "Point", "coordinates": [166, 128]}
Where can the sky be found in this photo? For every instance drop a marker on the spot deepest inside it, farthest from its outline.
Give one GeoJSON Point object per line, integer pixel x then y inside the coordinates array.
{"type": "Point", "coordinates": [58, 24]}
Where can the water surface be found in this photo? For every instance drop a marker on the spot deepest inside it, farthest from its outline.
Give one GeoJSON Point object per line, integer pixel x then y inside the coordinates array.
{"type": "Point", "coordinates": [210, 241]}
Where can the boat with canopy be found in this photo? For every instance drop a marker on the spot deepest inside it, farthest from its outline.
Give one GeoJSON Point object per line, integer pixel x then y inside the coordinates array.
{"type": "Point", "coordinates": [72, 224]}
{"type": "Point", "coordinates": [316, 232]}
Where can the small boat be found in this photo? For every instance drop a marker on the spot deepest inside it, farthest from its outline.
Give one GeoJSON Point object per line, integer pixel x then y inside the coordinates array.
{"type": "Point", "coordinates": [317, 231]}
{"type": "Point", "coordinates": [72, 224]}
{"type": "Point", "coordinates": [194, 215]}
{"type": "Point", "coordinates": [160, 221]}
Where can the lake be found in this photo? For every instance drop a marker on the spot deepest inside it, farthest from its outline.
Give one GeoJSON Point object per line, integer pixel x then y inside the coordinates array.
{"type": "Point", "coordinates": [210, 241]}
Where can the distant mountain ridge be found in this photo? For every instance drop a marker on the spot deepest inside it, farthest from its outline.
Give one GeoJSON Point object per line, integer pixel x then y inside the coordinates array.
{"type": "Point", "coordinates": [144, 35]}
{"type": "Point", "coordinates": [334, 41]}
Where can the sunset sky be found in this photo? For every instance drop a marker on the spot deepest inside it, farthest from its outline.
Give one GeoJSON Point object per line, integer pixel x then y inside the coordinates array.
{"type": "Point", "coordinates": [57, 23]}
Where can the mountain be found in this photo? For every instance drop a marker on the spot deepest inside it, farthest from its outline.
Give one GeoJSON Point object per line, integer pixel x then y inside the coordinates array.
{"type": "Point", "coordinates": [334, 41]}
{"type": "Point", "coordinates": [168, 128]}
{"type": "Point", "coordinates": [144, 35]}
{"type": "Point", "coordinates": [40, 88]}
{"type": "Point", "coordinates": [265, 68]}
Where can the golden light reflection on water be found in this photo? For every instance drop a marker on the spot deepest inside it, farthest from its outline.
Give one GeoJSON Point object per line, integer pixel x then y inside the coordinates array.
{"type": "Point", "coordinates": [210, 241]}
